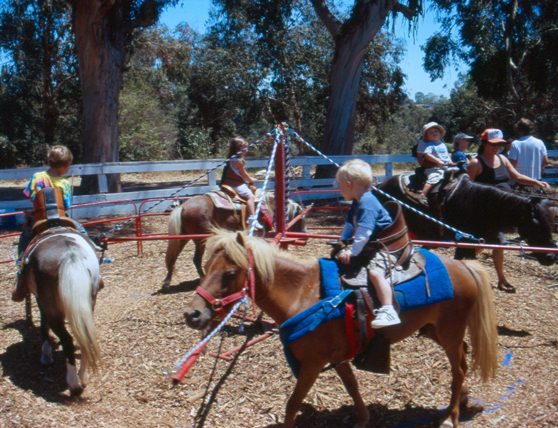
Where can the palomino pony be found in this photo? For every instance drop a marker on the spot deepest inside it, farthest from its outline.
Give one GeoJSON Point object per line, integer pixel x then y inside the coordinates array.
{"type": "Point", "coordinates": [62, 271]}
{"type": "Point", "coordinates": [285, 286]}
{"type": "Point", "coordinates": [482, 210]}
{"type": "Point", "coordinates": [198, 215]}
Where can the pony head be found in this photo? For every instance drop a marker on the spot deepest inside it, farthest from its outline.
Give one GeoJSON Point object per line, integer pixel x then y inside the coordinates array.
{"type": "Point", "coordinates": [226, 272]}
{"type": "Point", "coordinates": [536, 228]}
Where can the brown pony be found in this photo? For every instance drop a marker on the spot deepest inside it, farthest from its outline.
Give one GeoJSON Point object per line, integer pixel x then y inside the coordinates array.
{"type": "Point", "coordinates": [285, 286]}
{"type": "Point", "coordinates": [198, 215]}
{"type": "Point", "coordinates": [62, 271]}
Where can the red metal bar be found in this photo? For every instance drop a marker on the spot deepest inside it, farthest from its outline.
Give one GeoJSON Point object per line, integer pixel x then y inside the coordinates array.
{"type": "Point", "coordinates": [158, 237]}
{"type": "Point", "coordinates": [298, 217]}
{"type": "Point", "coordinates": [186, 365]}
{"type": "Point", "coordinates": [139, 224]}
{"type": "Point", "coordinates": [485, 246]}
{"type": "Point", "coordinates": [225, 355]}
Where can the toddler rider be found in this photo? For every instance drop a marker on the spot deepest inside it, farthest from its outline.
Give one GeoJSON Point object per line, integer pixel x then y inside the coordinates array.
{"type": "Point", "coordinates": [435, 154]}
{"type": "Point", "coordinates": [59, 159]}
{"type": "Point", "coordinates": [235, 175]}
{"type": "Point", "coordinates": [368, 217]}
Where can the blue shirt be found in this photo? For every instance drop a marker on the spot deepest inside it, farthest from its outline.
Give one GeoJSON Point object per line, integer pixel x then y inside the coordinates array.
{"type": "Point", "coordinates": [369, 213]}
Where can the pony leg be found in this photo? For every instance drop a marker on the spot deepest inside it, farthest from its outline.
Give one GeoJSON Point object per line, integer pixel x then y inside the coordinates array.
{"type": "Point", "coordinates": [198, 257]}
{"type": "Point", "coordinates": [74, 383]}
{"type": "Point", "coordinates": [174, 248]}
{"type": "Point", "coordinates": [28, 313]}
{"type": "Point", "coordinates": [306, 379]}
{"type": "Point", "coordinates": [351, 385]}
{"type": "Point", "coordinates": [46, 347]}
{"type": "Point", "coordinates": [455, 356]}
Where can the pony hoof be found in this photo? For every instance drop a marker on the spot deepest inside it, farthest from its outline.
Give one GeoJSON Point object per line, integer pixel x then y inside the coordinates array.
{"type": "Point", "coordinates": [76, 392]}
{"type": "Point", "coordinates": [165, 288]}
{"type": "Point", "coordinates": [447, 423]}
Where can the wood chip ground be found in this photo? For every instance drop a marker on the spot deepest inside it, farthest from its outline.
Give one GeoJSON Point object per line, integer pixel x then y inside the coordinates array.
{"type": "Point", "coordinates": [143, 334]}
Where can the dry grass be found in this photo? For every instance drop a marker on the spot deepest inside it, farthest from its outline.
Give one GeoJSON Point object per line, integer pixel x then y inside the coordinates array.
{"type": "Point", "coordinates": [142, 335]}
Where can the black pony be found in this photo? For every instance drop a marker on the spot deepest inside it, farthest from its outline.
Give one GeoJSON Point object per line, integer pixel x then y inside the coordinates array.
{"type": "Point", "coordinates": [483, 211]}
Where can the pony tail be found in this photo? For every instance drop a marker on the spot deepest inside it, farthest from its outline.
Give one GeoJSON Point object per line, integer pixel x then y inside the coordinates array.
{"type": "Point", "coordinates": [482, 324]}
{"type": "Point", "coordinates": [76, 287]}
{"type": "Point", "coordinates": [175, 221]}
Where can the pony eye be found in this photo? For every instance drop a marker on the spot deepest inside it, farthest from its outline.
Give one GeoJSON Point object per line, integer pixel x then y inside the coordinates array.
{"type": "Point", "coordinates": [229, 276]}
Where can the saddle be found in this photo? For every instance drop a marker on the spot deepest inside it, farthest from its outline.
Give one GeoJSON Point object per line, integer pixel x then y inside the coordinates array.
{"type": "Point", "coordinates": [227, 199]}
{"type": "Point", "coordinates": [394, 246]}
{"type": "Point", "coordinates": [411, 185]}
{"type": "Point", "coordinates": [48, 211]}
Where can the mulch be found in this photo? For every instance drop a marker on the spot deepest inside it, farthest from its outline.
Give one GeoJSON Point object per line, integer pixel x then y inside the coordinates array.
{"type": "Point", "coordinates": [143, 334]}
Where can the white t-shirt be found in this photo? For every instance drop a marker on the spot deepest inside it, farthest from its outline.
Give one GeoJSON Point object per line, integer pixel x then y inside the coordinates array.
{"type": "Point", "coordinates": [529, 152]}
{"type": "Point", "coordinates": [438, 150]}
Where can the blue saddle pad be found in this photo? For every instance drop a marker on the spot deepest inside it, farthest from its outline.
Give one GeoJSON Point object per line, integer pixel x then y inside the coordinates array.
{"type": "Point", "coordinates": [410, 295]}
{"type": "Point", "coordinates": [413, 294]}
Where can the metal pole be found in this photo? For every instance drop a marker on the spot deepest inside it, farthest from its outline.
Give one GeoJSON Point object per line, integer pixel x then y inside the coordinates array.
{"type": "Point", "coordinates": [280, 187]}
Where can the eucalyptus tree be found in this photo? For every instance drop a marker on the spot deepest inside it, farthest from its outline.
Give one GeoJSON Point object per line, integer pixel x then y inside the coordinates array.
{"type": "Point", "coordinates": [103, 31]}
{"type": "Point", "coordinates": [350, 40]}
{"type": "Point", "coordinates": [511, 46]}
{"type": "Point", "coordinates": [39, 96]}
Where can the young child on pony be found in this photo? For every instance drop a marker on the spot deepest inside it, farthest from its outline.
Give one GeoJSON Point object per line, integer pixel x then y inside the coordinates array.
{"type": "Point", "coordinates": [59, 159]}
{"type": "Point", "coordinates": [436, 156]}
{"type": "Point", "coordinates": [369, 218]}
{"type": "Point", "coordinates": [235, 176]}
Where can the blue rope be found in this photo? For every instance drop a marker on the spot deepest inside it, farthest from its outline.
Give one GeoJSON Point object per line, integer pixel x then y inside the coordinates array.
{"type": "Point", "coordinates": [458, 233]}
{"type": "Point", "coordinates": [236, 155]}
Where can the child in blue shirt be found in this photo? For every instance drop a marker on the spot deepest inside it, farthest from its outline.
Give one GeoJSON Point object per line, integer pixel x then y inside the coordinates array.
{"type": "Point", "coordinates": [366, 219]}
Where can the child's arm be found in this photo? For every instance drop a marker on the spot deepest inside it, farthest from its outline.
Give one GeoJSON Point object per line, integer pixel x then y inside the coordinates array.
{"type": "Point", "coordinates": [430, 157]}
{"type": "Point", "coordinates": [242, 171]}
{"type": "Point", "coordinates": [362, 235]}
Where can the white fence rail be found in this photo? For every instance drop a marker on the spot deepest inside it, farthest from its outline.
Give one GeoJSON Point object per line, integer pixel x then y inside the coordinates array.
{"type": "Point", "coordinates": [108, 202]}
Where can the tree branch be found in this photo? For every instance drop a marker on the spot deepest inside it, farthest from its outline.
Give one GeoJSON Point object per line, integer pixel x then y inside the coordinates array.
{"type": "Point", "coordinates": [332, 24]}
{"type": "Point", "coordinates": [148, 14]}
{"type": "Point", "coordinates": [406, 11]}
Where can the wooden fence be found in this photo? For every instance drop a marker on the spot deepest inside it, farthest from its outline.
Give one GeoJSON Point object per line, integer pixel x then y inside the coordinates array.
{"type": "Point", "coordinates": [129, 202]}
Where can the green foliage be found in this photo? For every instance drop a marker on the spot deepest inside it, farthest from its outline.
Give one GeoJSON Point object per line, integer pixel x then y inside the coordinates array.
{"type": "Point", "coordinates": [511, 46]}
{"type": "Point", "coordinates": [39, 90]}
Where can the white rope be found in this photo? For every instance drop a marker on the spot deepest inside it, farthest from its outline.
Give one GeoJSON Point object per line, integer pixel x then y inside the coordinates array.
{"type": "Point", "coordinates": [267, 174]}
{"type": "Point", "coordinates": [207, 338]}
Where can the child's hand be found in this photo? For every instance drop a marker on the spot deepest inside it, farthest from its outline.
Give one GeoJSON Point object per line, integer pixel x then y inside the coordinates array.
{"type": "Point", "coordinates": [344, 257]}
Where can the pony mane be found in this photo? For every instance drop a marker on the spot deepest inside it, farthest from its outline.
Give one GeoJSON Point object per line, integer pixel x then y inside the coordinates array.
{"type": "Point", "coordinates": [264, 253]}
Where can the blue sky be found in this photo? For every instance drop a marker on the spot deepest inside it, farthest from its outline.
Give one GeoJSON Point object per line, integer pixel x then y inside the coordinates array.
{"type": "Point", "coordinates": [196, 14]}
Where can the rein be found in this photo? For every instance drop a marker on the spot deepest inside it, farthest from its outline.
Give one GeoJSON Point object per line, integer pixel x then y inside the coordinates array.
{"type": "Point", "coordinates": [218, 305]}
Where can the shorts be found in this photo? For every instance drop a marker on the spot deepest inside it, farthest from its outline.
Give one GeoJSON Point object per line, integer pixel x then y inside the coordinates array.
{"type": "Point", "coordinates": [243, 191]}
{"type": "Point", "coordinates": [434, 175]}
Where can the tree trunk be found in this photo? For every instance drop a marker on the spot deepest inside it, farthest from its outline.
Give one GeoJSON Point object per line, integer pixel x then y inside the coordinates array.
{"type": "Point", "coordinates": [101, 51]}
{"type": "Point", "coordinates": [351, 41]}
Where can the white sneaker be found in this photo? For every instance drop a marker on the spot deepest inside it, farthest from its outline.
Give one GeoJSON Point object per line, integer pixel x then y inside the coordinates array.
{"type": "Point", "coordinates": [253, 220]}
{"type": "Point", "coordinates": [385, 316]}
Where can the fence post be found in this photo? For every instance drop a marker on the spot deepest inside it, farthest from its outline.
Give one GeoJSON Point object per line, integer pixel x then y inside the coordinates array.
{"type": "Point", "coordinates": [389, 169]}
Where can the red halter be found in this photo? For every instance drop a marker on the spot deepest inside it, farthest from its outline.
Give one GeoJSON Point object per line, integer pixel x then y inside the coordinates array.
{"type": "Point", "coordinates": [218, 305]}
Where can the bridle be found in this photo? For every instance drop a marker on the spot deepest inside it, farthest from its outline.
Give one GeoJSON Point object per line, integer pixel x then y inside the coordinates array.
{"type": "Point", "coordinates": [249, 288]}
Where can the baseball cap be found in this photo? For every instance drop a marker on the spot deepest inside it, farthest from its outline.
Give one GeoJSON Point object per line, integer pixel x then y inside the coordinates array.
{"type": "Point", "coordinates": [429, 125]}
{"type": "Point", "coordinates": [462, 136]}
{"type": "Point", "coordinates": [492, 135]}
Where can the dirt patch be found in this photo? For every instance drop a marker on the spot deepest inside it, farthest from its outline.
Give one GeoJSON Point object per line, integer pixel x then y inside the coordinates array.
{"type": "Point", "coordinates": [143, 334]}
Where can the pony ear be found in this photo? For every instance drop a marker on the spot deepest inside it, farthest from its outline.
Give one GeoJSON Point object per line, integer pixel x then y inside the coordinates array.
{"type": "Point", "coordinates": [241, 239]}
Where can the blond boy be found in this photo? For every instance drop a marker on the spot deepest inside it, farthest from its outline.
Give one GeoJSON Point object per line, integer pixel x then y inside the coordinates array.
{"type": "Point", "coordinates": [365, 220]}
